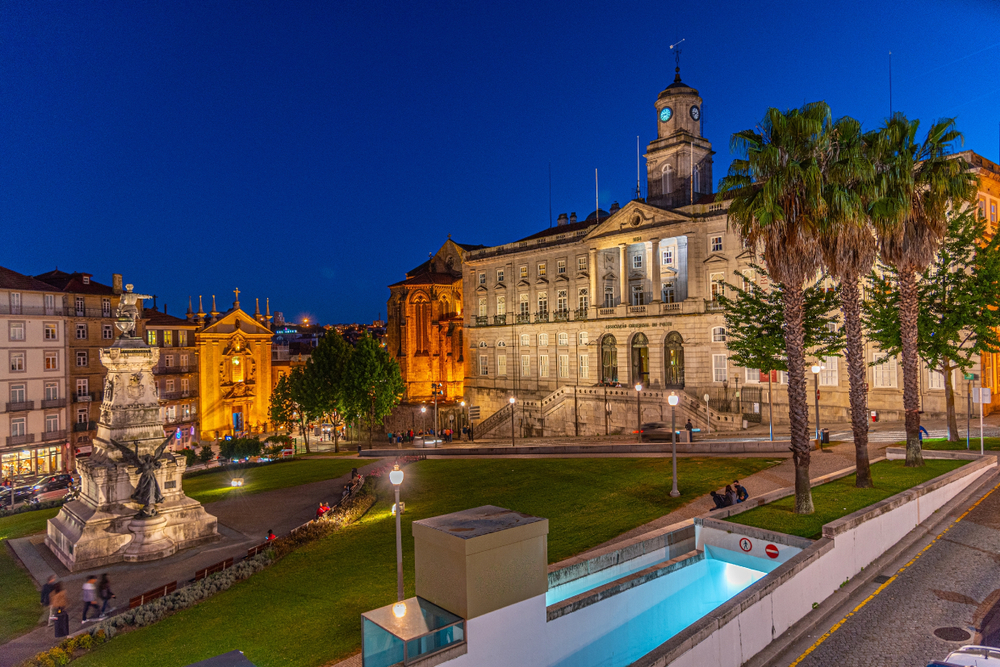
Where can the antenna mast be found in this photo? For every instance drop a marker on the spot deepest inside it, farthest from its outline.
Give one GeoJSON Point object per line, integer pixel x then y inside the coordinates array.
{"type": "Point", "coordinates": [890, 84]}
{"type": "Point", "coordinates": [638, 182]}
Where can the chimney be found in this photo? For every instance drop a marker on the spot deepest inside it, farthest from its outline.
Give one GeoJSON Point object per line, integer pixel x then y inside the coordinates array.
{"type": "Point", "coordinates": [562, 219]}
{"type": "Point", "coordinates": [116, 283]}
{"type": "Point", "coordinates": [154, 302]}
{"type": "Point", "coordinates": [614, 208]}
{"type": "Point", "coordinates": [572, 218]}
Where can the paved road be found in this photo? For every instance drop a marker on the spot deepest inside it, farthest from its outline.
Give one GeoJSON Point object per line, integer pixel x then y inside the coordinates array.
{"type": "Point", "coordinates": [954, 582]}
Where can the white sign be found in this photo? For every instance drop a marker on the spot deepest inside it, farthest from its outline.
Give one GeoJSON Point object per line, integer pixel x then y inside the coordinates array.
{"type": "Point", "coordinates": [983, 393]}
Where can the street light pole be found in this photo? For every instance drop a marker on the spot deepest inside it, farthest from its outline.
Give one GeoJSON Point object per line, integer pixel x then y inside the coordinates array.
{"type": "Point", "coordinates": [638, 410]}
{"type": "Point", "coordinates": [396, 477]}
{"type": "Point", "coordinates": [673, 399]}
{"type": "Point", "coordinates": [512, 421]}
{"type": "Point", "coordinates": [816, 368]}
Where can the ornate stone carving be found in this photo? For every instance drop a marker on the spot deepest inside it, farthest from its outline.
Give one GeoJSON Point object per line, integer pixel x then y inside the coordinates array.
{"type": "Point", "coordinates": [128, 312]}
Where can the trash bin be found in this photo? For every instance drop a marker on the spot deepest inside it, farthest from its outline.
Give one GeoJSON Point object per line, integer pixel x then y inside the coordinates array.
{"type": "Point", "coordinates": [359, 450]}
{"type": "Point", "coordinates": [825, 436]}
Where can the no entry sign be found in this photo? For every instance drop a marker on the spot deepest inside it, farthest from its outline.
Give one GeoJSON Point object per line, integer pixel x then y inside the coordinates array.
{"type": "Point", "coordinates": [746, 544]}
{"type": "Point", "coordinates": [771, 550]}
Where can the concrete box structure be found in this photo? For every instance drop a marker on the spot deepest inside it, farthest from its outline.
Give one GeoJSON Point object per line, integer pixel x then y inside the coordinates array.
{"type": "Point", "coordinates": [480, 560]}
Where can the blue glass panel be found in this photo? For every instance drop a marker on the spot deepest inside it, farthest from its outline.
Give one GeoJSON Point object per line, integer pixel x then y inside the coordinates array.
{"type": "Point", "coordinates": [381, 648]}
{"type": "Point", "coordinates": [435, 641]}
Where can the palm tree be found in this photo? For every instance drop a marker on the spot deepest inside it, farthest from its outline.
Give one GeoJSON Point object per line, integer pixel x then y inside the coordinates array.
{"type": "Point", "coordinates": [777, 198]}
{"type": "Point", "coordinates": [848, 244]}
{"type": "Point", "coordinates": [918, 182]}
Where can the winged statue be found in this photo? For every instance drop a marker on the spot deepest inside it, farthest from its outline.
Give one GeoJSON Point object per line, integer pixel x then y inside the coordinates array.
{"type": "Point", "coordinates": [147, 491]}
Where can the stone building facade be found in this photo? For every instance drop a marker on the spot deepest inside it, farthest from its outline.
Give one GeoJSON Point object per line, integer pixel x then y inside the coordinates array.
{"type": "Point", "coordinates": [177, 377]}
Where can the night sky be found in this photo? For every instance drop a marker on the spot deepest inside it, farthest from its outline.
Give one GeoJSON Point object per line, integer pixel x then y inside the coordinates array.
{"type": "Point", "coordinates": [313, 152]}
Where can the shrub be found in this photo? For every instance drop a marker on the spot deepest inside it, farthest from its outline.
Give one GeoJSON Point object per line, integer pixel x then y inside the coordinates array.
{"type": "Point", "coordinates": [190, 456]}
{"type": "Point", "coordinates": [240, 448]}
{"type": "Point", "coordinates": [206, 454]}
{"type": "Point", "coordinates": [31, 507]}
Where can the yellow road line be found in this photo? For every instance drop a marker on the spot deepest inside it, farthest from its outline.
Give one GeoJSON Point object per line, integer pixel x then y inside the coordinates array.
{"type": "Point", "coordinates": [889, 581]}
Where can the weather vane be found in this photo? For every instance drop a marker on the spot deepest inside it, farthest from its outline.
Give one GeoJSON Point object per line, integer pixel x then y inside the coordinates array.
{"type": "Point", "coordinates": [677, 53]}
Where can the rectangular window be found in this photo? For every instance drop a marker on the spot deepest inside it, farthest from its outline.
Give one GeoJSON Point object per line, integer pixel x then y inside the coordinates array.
{"type": "Point", "coordinates": [17, 393]}
{"type": "Point", "coordinates": [993, 213]}
{"type": "Point", "coordinates": [17, 330]}
{"type": "Point", "coordinates": [170, 385]}
{"type": "Point", "coordinates": [636, 261]}
{"type": "Point", "coordinates": [15, 303]}
{"type": "Point", "coordinates": [584, 298]}
{"type": "Point", "coordinates": [484, 364]}
{"type": "Point", "coordinates": [541, 270]}
{"type": "Point", "coordinates": [668, 256]}
{"type": "Point", "coordinates": [524, 307]}
{"type": "Point", "coordinates": [185, 384]}
{"type": "Point", "coordinates": [716, 243]}
{"type": "Point", "coordinates": [564, 365]}
{"type": "Point", "coordinates": [184, 361]}
{"type": "Point", "coordinates": [828, 376]}
{"type": "Point", "coordinates": [51, 423]}
{"type": "Point", "coordinates": [107, 331]}
{"type": "Point", "coordinates": [561, 267]}
{"type": "Point", "coordinates": [609, 297]}
{"type": "Point", "coordinates": [752, 375]}
{"type": "Point", "coordinates": [543, 365]}
{"type": "Point", "coordinates": [543, 304]}
{"type": "Point", "coordinates": [482, 307]}
{"type": "Point", "coordinates": [543, 340]}
{"type": "Point", "coordinates": [523, 271]}
{"type": "Point", "coordinates": [584, 339]}
{"type": "Point", "coordinates": [50, 304]}
{"type": "Point", "coordinates": [584, 366]}
{"type": "Point", "coordinates": [499, 275]}
{"type": "Point", "coordinates": [525, 365]}
{"type": "Point", "coordinates": [51, 361]}
{"type": "Point", "coordinates": [638, 297]}
{"type": "Point", "coordinates": [719, 367]}
{"type": "Point", "coordinates": [884, 374]}
{"type": "Point", "coordinates": [168, 361]}
{"type": "Point", "coordinates": [51, 391]}
{"type": "Point", "coordinates": [106, 307]}
{"type": "Point", "coordinates": [581, 264]}
{"type": "Point", "coordinates": [151, 337]}
{"type": "Point", "coordinates": [668, 294]}
{"type": "Point", "coordinates": [718, 334]}
{"type": "Point", "coordinates": [80, 310]}
{"type": "Point", "coordinates": [168, 338]}
{"type": "Point", "coordinates": [82, 386]}
{"type": "Point", "coordinates": [51, 331]}
{"type": "Point", "coordinates": [501, 364]}
{"type": "Point", "coordinates": [182, 338]}
{"type": "Point", "coordinates": [81, 332]}
{"type": "Point", "coordinates": [17, 426]}
{"type": "Point", "coordinates": [482, 277]}
{"type": "Point", "coordinates": [501, 305]}
{"type": "Point", "coordinates": [187, 410]}
{"type": "Point", "coordinates": [17, 362]}
{"type": "Point", "coordinates": [81, 416]}
{"type": "Point", "coordinates": [525, 340]}
{"type": "Point", "coordinates": [718, 285]}
{"type": "Point", "coordinates": [81, 358]}
{"type": "Point", "coordinates": [171, 412]}
{"type": "Point", "coordinates": [562, 303]}
{"type": "Point", "coordinates": [935, 379]}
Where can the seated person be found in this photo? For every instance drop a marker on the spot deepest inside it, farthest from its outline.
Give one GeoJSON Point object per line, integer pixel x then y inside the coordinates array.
{"type": "Point", "coordinates": [720, 500]}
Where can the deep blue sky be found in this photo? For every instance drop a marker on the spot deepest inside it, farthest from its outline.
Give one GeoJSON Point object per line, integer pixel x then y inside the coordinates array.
{"type": "Point", "coordinates": [314, 151]}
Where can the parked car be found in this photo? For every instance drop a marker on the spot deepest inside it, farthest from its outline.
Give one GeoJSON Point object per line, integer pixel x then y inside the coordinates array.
{"type": "Point", "coordinates": [971, 656]}
{"type": "Point", "coordinates": [21, 494]}
{"type": "Point", "coordinates": [654, 431]}
{"type": "Point", "coordinates": [53, 483]}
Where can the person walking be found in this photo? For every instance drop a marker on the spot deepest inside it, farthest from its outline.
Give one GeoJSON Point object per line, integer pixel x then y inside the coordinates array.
{"type": "Point", "coordinates": [690, 430]}
{"type": "Point", "coordinates": [57, 598]}
{"type": "Point", "coordinates": [105, 593]}
{"type": "Point", "coordinates": [47, 596]}
{"type": "Point", "coordinates": [89, 595]}
{"type": "Point", "coordinates": [741, 492]}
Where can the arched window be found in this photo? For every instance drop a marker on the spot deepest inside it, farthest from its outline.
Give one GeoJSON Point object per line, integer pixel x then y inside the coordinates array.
{"type": "Point", "coordinates": [718, 334]}
{"type": "Point", "coordinates": [640, 359]}
{"type": "Point", "coordinates": [673, 360]}
{"type": "Point", "coordinates": [667, 179]}
{"type": "Point", "coordinates": [609, 359]}
{"type": "Point", "coordinates": [583, 338]}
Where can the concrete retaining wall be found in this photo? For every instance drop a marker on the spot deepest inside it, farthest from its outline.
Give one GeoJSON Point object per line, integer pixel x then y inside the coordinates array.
{"type": "Point", "coordinates": [706, 447]}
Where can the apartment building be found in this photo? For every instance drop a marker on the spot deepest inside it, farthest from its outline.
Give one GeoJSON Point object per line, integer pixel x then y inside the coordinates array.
{"type": "Point", "coordinates": [33, 377]}
{"type": "Point", "coordinates": [177, 374]}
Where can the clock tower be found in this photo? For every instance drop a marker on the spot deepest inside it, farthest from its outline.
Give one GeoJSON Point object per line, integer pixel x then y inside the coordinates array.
{"type": "Point", "coordinates": [679, 160]}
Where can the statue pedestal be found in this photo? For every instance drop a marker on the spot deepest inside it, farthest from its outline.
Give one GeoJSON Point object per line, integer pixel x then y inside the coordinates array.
{"type": "Point", "coordinates": [149, 542]}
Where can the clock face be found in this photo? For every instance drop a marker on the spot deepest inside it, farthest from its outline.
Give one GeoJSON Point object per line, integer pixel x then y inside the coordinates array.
{"type": "Point", "coordinates": [695, 113]}
{"type": "Point", "coordinates": [666, 113]}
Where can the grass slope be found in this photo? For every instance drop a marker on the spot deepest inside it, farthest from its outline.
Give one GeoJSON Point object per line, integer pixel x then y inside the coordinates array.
{"type": "Point", "coordinates": [214, 486]}
{"type": "Point", "coordinates": [840, 498]}
{"type": "Point", "coordinates": [20, 608]}
{"type": "Point", "coordinates": [990, 444]}
{"type": "Point", "coordinates": [306, 609]}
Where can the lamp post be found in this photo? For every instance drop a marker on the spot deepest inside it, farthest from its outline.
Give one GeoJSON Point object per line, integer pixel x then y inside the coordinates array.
{"type": "Point", "coordinates": [673, 400]}
{"type": "Point", "coordinates": [511, 421]}
{"type": "Point", "coordinates": [396, 477]}
{"type": "Point", "coordinates": [816, 368]}
{"type": "Point", "coordinates": [423, 420]}
{"type": "Point", "coordinates": [638, 410]}
{"type": "Point", "coordinates": [461, 423]}
{"type": "Point", "coordinates": [708, 415]}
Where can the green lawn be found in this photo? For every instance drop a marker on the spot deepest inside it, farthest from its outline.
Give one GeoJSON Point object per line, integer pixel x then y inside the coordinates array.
{"type": "Point", "coordinates": [20, 609]}
{"type": "Point", "coordinates": [214, 486]}
{"type": "Point", "coordinates": [840, 498]}
{"type": "Point", "coordinates": [306, 609]}
{"type": "Point", "coordinates": [991, 444]}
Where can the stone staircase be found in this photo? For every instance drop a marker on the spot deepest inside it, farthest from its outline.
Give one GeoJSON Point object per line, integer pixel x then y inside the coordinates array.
{"type": "Point", "coordinates": [490, 423]}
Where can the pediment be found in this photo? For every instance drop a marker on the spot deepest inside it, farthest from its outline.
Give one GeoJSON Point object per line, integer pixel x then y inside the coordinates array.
{"type": "Point", "coordinates": [523, 283]}
{"type": "Point", "coordinates": [666, 270]}
{"type": "Point", "coordinates": [541, 281]}
{"type": "Point", "coordinates": [747, 253]}
{"type": "Point", "coordinates": [236, 320]}
{"type": "Point", "coordinates": [482, 288]}
{"type": "Point", "coordinates": [609, 276]}
{"type": "Point", "coordinates": [714, 258]}
{"type": "Point", "coordinates": [499, 286]}
{"type": "Point", "coordinates": [636, 275]}
{"type": "Point", "coordinates": [635, 215]}
{"type": "Point", "coordinates": [563, 277]}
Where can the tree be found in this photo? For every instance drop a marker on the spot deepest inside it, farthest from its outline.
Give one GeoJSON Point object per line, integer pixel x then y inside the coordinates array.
{"type": "Point", "coordinates": [327, 368]}
{"type": "Point", "coordinates": [305, 395]}
{"type": "Point", "coordinates": [754, 334]}
{"type": "Point", "coordinates": [848, 244]}
{"type": "Point", "coordinates": [374, 384]}
{"type": "Point", "coordinates": [240, 448]}
{"type": "Point", "coordinates": [282, 409]}
{"type": "Point", "coordinates": [777, 197]}
{"type": "Point", "coordinates": [918, 181]}
{"type": "Point", "coordinates": [959, 304]}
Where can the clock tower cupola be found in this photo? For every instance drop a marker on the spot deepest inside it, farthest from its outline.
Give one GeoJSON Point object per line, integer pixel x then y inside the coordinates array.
{"type": "Point", "coordinates": [679, 160]}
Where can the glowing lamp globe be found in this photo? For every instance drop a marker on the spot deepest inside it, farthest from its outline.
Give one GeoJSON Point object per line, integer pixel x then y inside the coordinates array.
{"type": "Point", "coordinates": [673, 399]}
{"type": "Point", "coordinates": [396, 476]}
{"type": "Point", "coordinates": [638, 387]}
{"type": "Point", "coordinates": [816, 369]}
{"type": "Point", "coordinates": [399, 610]}
{"type": "Point", "coordinates": [512, 400]}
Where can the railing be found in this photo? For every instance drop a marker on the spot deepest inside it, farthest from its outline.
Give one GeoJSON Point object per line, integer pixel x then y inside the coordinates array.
{"type": "Point", "coordinates": [580, 313]}
{"type": "Point", "coordinates": [606, 312]}
{"type": "Point", "coordinates": [88, 312]}
{"type": "Point", "coordinates": [714, 306]}
{"type": "Point", "coordinates": [53, 403]}
{"type": "Point", "coordinates": [18, 406]}
{"type": "Point", "coordinates": [154, 594]}
{"type": "Point", "coordinates": [172, 370]}
{"type": "Point", "coordinates": [494, 420]}
{"type": "Point", "coordinates": [5, 309]}
{"type": "Point", "coordinates": [637, 310]}
{"type": "Point", "coordinates": [170, 395]}
{"type": "Point", "coordinates": [80, 427]}
{"type": "Point", "coordinates": [85, 398]}
{"type": "Point", "coordinates": [674, 307]}
{"type": "Point", "coordinates": [499, 320]}
{"type": "Point", "coordinates": [524, 318]}
{"type": "Point", "coordinates": [482, 321]}
{"type": "Point", "coordinates": [49, 436]}
{"type": "Point", "coordinates": [562, 316]}
{"type": "Point", "coordinates": [542, 317]}
{"type": "Point", "coordinates": [14, 440]}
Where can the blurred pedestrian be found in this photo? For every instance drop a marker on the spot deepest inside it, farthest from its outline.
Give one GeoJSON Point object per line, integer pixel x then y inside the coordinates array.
{"type": "Point", "coordinates": [105, 593]}
{"type": "Point", "coordinates": [89, 595]}
{"type": "Point", "coordinates": [57, 598]}
{"type": "Point", "coordinates": [47, 596]}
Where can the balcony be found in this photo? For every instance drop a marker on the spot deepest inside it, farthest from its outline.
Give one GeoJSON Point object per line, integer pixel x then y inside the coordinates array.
{"type": "Point", "coordinates": [499, 320]}
{"type": "Point", "coordinates": [20, 406]}
{"type": "Point", "coordinates": [85, 398]}
{"type": "Point", "coordinates": [581, 313]}
{"type": "Point", "coordinates": [714, 306]}
{"type": "Point", "coordinates": [482, 321]}
{"type": "Point", "coordinates": [15, 440]}
{"type": "Point", "coordinates": [671, 307]}
{"type": "Point", "coordinates": [172, 370]}
{"type": "Point", "coordinates": [54, 403]}
{"type": "Point", "coordinates": [80, 427]}
{"type": "Point", "coordinates": [561, 316]}
{"type": "Point", "coordinates": [7, 309]}
{"type": "Point", "coordinates": [176, 395]}
{"type": "Point", "coordinates": [606, 312]}
{"type": "Point", "coordinates": [50, 436]}
{"type": "Point", "coordinates": [637, 310]}
{"type": "Point", "coordinates": [542, 316]}
{"type": "Point", "coordinates": [524, 318]}
{"type": "Point", "coordinates": [89, 312]}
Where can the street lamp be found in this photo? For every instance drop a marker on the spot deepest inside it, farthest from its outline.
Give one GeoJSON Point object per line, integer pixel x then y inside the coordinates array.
{"type": "Point", "coordinates": [511, 421]}
{"type": "Point", "coordinates": [423, 419]}
{"type": "Point", "coordinates": [673, 400]}
{"type": "Point", "coordinates": [816, 368]}
{"type": "Point", "coordinates": [396, 477]}
{"type": "Point", "coordinates": [638, 410]}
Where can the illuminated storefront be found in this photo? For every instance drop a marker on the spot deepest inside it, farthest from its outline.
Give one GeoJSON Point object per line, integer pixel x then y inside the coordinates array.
{"type": "Point", "coordinates": [44, 460]}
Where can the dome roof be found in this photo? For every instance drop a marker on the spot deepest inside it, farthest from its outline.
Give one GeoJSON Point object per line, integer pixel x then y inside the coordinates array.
{"type": "Point", "coordinates": [599, 213]}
